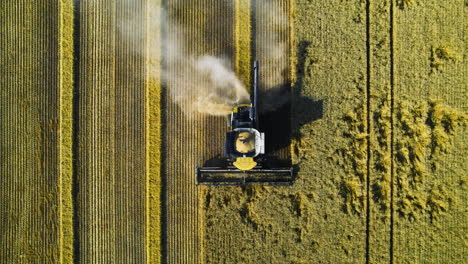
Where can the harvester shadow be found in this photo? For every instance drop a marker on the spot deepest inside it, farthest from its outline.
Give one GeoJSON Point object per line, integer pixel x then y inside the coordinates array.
{"type": "Point", "coordinates": [304, 109]}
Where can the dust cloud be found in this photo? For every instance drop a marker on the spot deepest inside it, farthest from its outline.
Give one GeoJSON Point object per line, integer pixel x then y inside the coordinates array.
{"type": "Point", "coordinates": [199, 83]}
{"type": "Point", "coordinates": [203, 83]}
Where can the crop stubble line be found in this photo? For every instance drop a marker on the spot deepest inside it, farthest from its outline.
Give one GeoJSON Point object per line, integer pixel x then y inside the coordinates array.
{"type": "Point", "coordinates": [79, 128]}
{"type": "Point", "coordinates": [6, 135]}
{"type": "Point", "coordinates": [76, 129]}
{"type": "Point", "coordinates": [9, 138]}
{"type": "Point", "coordinates": [178, 229]}
{"type": "Point", "coordinates": [153, 126]}
{"type": "Point", "coordinates": [39, 133]}
{"type": "Point", "coordinates": [120, 124]}
{"type": "Point", "coordinates": [43, 145]}
{"type": "Point", "coordinates": [187, 194]}
{"type": "Point", "coordinates": [368, 127]}
{"type": "Point", "coordinates": [292, 47]}
{"type": "Point", "coordinates": [86, 139]}
{"type": "Point", "coordinates": [38, 146]}
{"type": "Point", "coordinates": [392, 135]}
{"type": "Point", "coordinates": [113, 123]}
{"type": "Point", "coordinates": [163, 135]}
{"type": "Point", "coordinates": [129, 144]}
{"type": "Point", "coordinates": [243, 39]}
{"type": "Point", "coordinates": [29, 96]}
{"type": "Point", "coordinates": [66, 131]}
{"type": "Point", "coordinates": [95, 101]}
{"type": "Point", "coordinates": [194, 191]}
{"type": "Point", "coordinates": [48, 154]}
{"type": "Point", "coordinates": [19, 120]}
{"type": "Point", "coordinates": [170, 167]}
{"type": "Point", "coordinates": [97, 131]}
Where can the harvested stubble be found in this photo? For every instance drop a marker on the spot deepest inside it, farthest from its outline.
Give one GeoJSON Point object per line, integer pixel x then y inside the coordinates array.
{"type": "Point", "coordinates": [117, 192]}
{"type": "Point", "coordinates": [35, 142]}
{"type": "Point", "coordinates": [117, 165]}
{"type": "Point", "coordinates": [117, 157]}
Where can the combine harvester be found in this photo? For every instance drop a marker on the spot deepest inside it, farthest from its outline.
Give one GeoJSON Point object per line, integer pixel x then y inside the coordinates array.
{"type": "Point", "coordinates": [244, 151]}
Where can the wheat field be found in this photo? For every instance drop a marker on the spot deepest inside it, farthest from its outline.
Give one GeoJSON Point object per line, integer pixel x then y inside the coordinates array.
{"type": "Point", "coordinates": [101, 128]}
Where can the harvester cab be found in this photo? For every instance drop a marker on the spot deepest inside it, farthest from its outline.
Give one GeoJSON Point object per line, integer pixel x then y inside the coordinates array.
{"type": "Point", "coordinates": [244, 150]}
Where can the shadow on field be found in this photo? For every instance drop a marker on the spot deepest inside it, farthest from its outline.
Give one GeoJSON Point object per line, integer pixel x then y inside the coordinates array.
{"type": "Point", "coordinates": [281, 124]}
{"type": "Point", "coordinates": [304, 109]}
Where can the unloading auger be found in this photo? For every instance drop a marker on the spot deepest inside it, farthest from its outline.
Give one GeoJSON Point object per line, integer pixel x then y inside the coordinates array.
{"type": "Point", "coordinates": [244, 150]}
